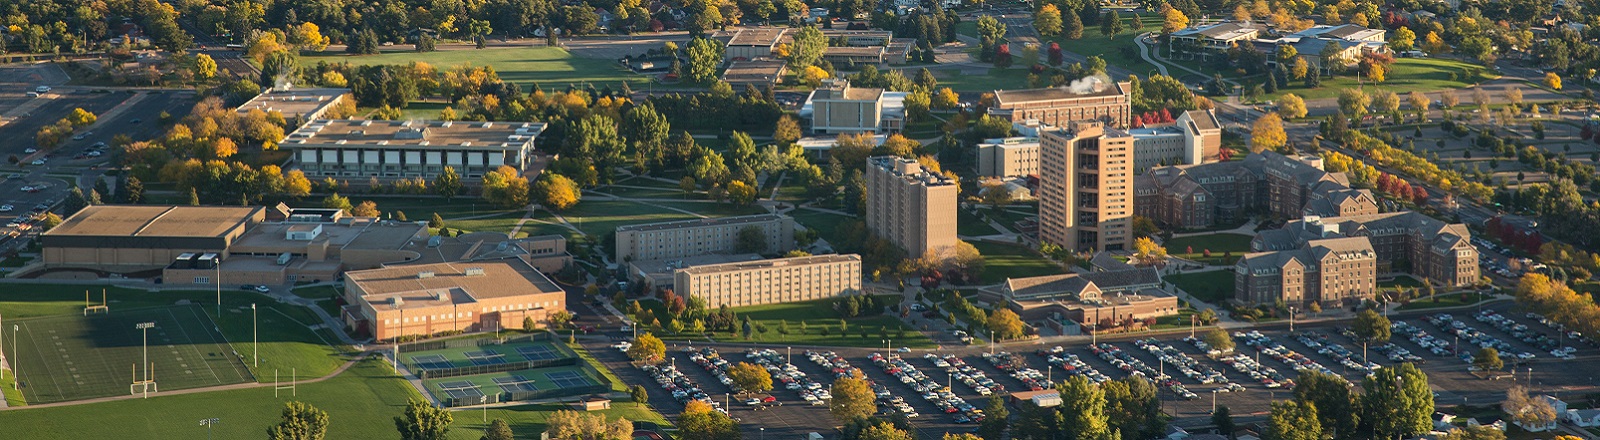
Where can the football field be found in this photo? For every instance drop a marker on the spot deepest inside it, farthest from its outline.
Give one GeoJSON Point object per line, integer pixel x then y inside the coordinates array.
{"type": "Point", "coordinates": [65, 358]}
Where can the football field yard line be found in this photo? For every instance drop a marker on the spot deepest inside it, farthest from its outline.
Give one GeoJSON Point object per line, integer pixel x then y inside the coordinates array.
{"type": "Point", "coordinates": [189, 341]}
{"type": "Point", "coordinates": [35, 341]}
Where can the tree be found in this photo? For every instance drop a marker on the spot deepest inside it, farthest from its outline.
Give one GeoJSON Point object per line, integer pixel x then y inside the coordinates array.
{"type": "Point", "coordinates": [807, 49]}
{"type": "Point", "coordinates": [51, 220]}
{"type": "Point", "coordinates": [946, 99]}
{"type": "Point", "coordinates": [1403, 40]}
{"type": "Point", "coordinates": [1267, 133]}
{"type": "Point", "coordinates": [1006, 324]}
{"type": "Point", "coordinates": [1526, 411]}
{"type": "Point", "coordinates": [787, 131]}
{"type": "Point", "coordinates": [883, 430]}
{"type": "Point", "coordinates": [993, 426]}
{"type": "Point", "coordinates": [308, 37]}
{"type": "Point", "coordinates": [750, 378]}
{"type": "Point", "coordinates": [1146, 248]}
{"type": "Point", "coordinates": [366, 209]}
{"type": "Point", "coordinates": [528, 324]}
{"type": "Point", "coordinates": [556, 192]}
{"type": "Point", "coordinates": [1111, 24]}
{"type": "Point", "coordinates": [699, 421]}
{"type": "Point", "coordinates": [995, 194]}
{"type": "Point", "coordinates": [1222, 418]}
{"type": "Point", "coordinates": [1334, 401]}
{"type": "Point", "coordinates": [741, 193]}
{"type": "Point", "coordinates": [1484, 432]}
{"type": "Point", "coordinates": [1293, 420]}
{"type": "Point", "coordinates": [132, 191]}
{"type": "Point", "coordinates": [1218, 339]}
{"type": "Point", "coordinates": [1047, 20]}
{"type": "Point", "coordinates": [638, 393]}
{"type": "Point", "coordinates": [300, 421]}
{"type": "Point", "coordinates": [448, 183]}
{"type": "Point", "coordinates": [1291, 106]}
{"type": "Point", "coordinates": [1514, 95]}
{"type": "Point", "coordinates": [852, 398]}
{"type": "Point", "coordinates": [1488, 359]}
{"type": "Point", "coordinates": [1552, 80]}
{"type": "Point", "coordinates": [1397, 402]}
{"type": "Point", "coordinates": [498, 430]}
{"type": "Point", "coordinates": [1072, 26]}
{"type": "Point", "coordinates": [295, 184]}
{"type": "Point", "coordinates": [436, 222]}
{"type": "Point", "coordinates": [75, 201]}
{"type": "Point", "coordinates": [423, 421]}
{"type": "Point", "coordinates": [205, 68]}
{"type": "Point", "coordinates": [1371, 327]}
{"type": "Point", "coordinates": [1353, 103]}
{"type": "Point", "coordinates": [1133, 409]}
{"type": "Point", "coordinates": [1387, 101]}
{"type": "Point", "coordinates": [1173, 20]}
{"type": "Point", "coordinates": [705, 55]}
{"type": "Point", "coordinates": [573, 425]}
{"type": "Point", "coordinates": [648, 348]}
{"type": "Point", "coordinates": [505, 188]}
{"type": "Point", "coordinates": [1083, 404]}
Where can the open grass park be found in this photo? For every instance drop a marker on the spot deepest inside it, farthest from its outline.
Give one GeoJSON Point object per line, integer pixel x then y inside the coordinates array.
{"type": "Point", "coordinates": [547, 67]}
{"type": "Point", "coordinates": [1002, 261]}
{"type": "Point", "coordinates": [1406, 75]}
{"type": "Point", "coordinates": [1223, 248]}
{"type": "Point", "coordinates": [822, 326]}
{"type": "Point", "coordinates": [1214, 287]}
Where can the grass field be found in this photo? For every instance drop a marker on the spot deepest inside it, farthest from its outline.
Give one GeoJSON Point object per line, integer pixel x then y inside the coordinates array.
{"type": "Point", "coordinates": [819, 316]}
{"type": "Point", "coordinates": [549, 67]}
{"type": "Point", "coordinates": [826, 224]}
{"type": "Point", "coordinates": [528, 421]}
{"type": "Point", "coordinates": [713, 209]}
{"type": "Point", "coordinates": [286, 342]}
{"type": "Point", "coordinates": [486, 382]}
{"type": "Point", "coordinates": [1232, 245]}
{"type": "Point", "coordinates": [1405, 76]}
{"type": "Point", "coordinates": [69, 357]}
{"type": "Point", "coordinates": [599, 217]}
{"type": "Point", "coordinates": [1445, 300]}
{"type": "Point", "coordinates": [969, 225]}
{"type": "Point", "coordinates": [1120, 50]}
{"type": "Point", "coordinates": [1002, 261]}
{"type": "Point", "coordinates": [1214, 287]}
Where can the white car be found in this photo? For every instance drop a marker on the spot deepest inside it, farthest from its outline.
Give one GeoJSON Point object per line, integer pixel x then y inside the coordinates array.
{"type": "Point", "coordinates": [42, 89]}
{"type": "Point", "coordinates": [37, 162]}
{"type": "Point", "coordinates": [31, 150]}
{"type": "Point", "coordinates": [80, 136]}
{"type": "Point", "coordinates": [263, 289]}
{"type": "Point", "coordinates": [95, 153]}
{"type": "Point", "coordinates": [7, 208]}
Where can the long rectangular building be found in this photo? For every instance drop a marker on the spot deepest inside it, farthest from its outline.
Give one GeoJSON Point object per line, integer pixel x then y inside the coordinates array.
{"type": "Point", "coordinates": [689, 238]}
{"type": "Point", "coordinates": [410, 149]}
{"type": "Point", "coordinates": [1088, 99]}
{"type": "Point", "coordinates": [428, 299]}
{"type": "Point", "coordinates": [116, 238]}
{"type": "Point", "coordinates": [774, 281]}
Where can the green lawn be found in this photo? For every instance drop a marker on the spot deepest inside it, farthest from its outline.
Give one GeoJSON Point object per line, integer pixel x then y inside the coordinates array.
{"type": "Point", "coordinates": [1405, 76]}
{"type": "Point", "coordinates": [819, 316]}
{"type": "Point", "coordinates": [499, 223]}
{"type": "Point", "coordinates": [422, 208]}
{"type": "Point", "coordinates": [969, 225]}
{"type": "Point", "coordinates": [1015, 77]}
{"type": "Point", "coordinates": [1002, 261]}
{"type": "Point", "coordinates": [527, 421]}
{"type": "Point", "coordinates": [826, 224]}
{"type": "Point", "coordinates": [361, 403]}
{"type": "Point", "coordinates": [1231, 245]}
{"type": "Point", "coordinates": [1214, 287]}
{"type": "Point", "coordinates": [599, 217]}
{"type": "Point", "coordinates": [1120, 51]}
{"type": "Point", "coordinates": [1399, 282]}
{"type": "Point", "coordinates": [714, 209]}
{"type": "Point", "coordinates": [549, 67]}
{"type": "Point", "coordinates": [1445, 300]}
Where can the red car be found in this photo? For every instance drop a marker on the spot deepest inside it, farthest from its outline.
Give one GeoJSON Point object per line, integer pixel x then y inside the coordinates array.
{"type": "Point", "coordinates": [768, 399]}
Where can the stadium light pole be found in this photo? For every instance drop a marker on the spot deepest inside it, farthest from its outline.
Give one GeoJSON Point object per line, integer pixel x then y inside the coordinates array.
{"type": "Point", "coordinates": [144, 328]}
{"type": "Point", "coordinates": [208, 423]}
{"type": "Point", "coordinates": [218, 266]}
{"type": "Point", "coordinates": [16, 376]}
{"type": "Point", "coordinates": [255, 338]}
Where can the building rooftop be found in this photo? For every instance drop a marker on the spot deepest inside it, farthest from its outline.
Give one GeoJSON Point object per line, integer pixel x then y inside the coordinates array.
{"type": "Point", "coordinates": [702, 222]}
{"type": "Point", "coordinates": [909, 170]}
{"type": "Point", "coordinates": [764, 264]}
{"type": "Point", "coordinates": [1085, 88]}
{"type": "Point", "coordinates": [764, 36]}
{"type": "Point", "coordinates": [292, 102]}
{"type": "Point", "coordinates": [414, 134]}
{"type": "Point", "coordinates": [1221, 31]}
{"type": "Point", "coordinates": [840, 89]}
{"type": "Point", "coordinates": [435, 284]}
{"type": "Point", "coordinates": [361, 233]}
{"type": "Point", "coordinates": [754, 71]}
{"type": "Point", "coordinates": [1343, 32]}
{"type": "Point", "coordinates": [154, 221]}
{"type": "Point", "coordinates": [666, 267]}
{"type": "Point", "coordinates": [858, 51]}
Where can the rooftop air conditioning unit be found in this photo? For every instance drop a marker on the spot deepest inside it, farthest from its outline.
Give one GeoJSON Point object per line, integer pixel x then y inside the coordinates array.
{"type": "Point", "coordinates": [474, 271]}
{"type": "Point", "coordinates": [424, 275]}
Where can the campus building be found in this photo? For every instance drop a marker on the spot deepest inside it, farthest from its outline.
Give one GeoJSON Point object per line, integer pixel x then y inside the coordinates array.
{"type": "Point", "coordinates": [781, 280]}
{"type": "Point", "coordinates": [412, 149]}
{"type": "Point", "coordinates": [1214, 39]}
{"type": "Point", "coordinates": [836, 107]}
{"type": "Point", "coordinates": [1195, 137]}
{"type": "Point", "coordinates": [1016, 156]}
{"type": "Point", "coordinates": [304, 104]}
{"type": "Point", "coordinates": [1404, 241]}
{"type": "Point", "coordinates": [428, 299]}
{"type": "Point", "coordinates": [1330, 271]}
{"type": "Point", "coordinates": [912, 207]}
{"type": "Point", "coordinates": [1088, 99]}
{"type": "Point", "coordinates": [695, 237]}
{"type": "Point", "coordinates": [758, 73]}
{"type": "Point", "coordinates": [1086, 187]}
{"type": "Point", "coordinates": [752, 43]}
{"type": "Point", "coordinates": [1085, 298]}
{"type": "Point", "coordinates": [222, 245]}
{"type": "Point", "coordinates": [1350, 42]}
{"type": "Point", "coordinates": [1200, 196]}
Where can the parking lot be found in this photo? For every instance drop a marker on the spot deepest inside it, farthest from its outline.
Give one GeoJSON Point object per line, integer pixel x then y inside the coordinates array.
{"type": "Point", "coordinates": [1189, 374]}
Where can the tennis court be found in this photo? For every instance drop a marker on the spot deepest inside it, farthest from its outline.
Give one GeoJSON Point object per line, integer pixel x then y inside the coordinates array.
{"type": "Point", "coordinates": [538, 352]}
{"type": "Point", "coordinates": [461, 389]}
{"type": "Point", "coordinates": [515, 384]}
{"type": "Point", "coordinates": [485, 357]}
{"type": "Point", "coordinates": [569, 379]}
{"type": "Point", "coordinates": [65, 358]}
{"type": "Point", "coordinates": [430, 362]}
{"type": "Point", "coordinates": [455, 357]}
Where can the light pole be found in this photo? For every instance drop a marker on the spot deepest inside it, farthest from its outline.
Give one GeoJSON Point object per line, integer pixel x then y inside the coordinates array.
{"type": "Point", "coordinates": [144, 328]}
{"type": "Point", "coordinates": [208, 423]}
{"type": "Point", "coordinates": [16, 366]}
{"type": "Point", "coordinates": [484, 401]}
{"type": "Point", "coordinates": [1291, 319]}
{"type": "Point", "coordinates": [217, 264]}
{"type": "Point", "coordinates": [255, 335]}
{"type": "Point", "coordinates": [763, 432]}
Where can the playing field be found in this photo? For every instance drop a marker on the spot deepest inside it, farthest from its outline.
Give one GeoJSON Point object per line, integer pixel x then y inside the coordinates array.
{"type": "Point", "coordinates": [484, 355]}
{"type": "Point", "coordinates": [536, 379]}
{"type": "Point", "coordinates": [79, 357]}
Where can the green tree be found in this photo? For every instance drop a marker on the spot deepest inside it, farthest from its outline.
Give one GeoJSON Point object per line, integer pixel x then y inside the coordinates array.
{"type": "Point", "coordinates": [1218, 339]}
{"type": "Point", "coordinates": [1397, 402]}
{"type": "Point", "coordinates": [639, 394]}
{"type": "Point", "coordinates": [700, 421]}
{"type": "Point", "coordinates": [809, 44]}
{"type": "Point", "coordinates": [996, 417]}
{"type": "Point", "coordinates": [1072, 25]}
{"type": "Point", "coordinates": [205, 68]}
{"type": "Point", "coordinates": [705, 55]}
{"type": "Point", "coordinates": [423, 421]}
{"type": "Point", "coordinates": [1111, 24]}
{"type": "Point", "coordinates": [1371, 327]}
{"type": "Point", "coordinates": [750, 378]}
{"type": "Point", "coordinates": [1084, 406]}
{"type": "Point", "coordinates": [336, 201]}
{"type": "Point", "coordinates": [1133, 408]}
{"type": "Point", "coordinates": [498, 430]}
{"type": "Point", "coordinates": [852, 398]}
{"type": "Point", "coordinates": [1488, 359]}
{"type": "Point", "coordinates": [1292, 420]}
{"type": "Point", "coordinates": [448, 183]}
{"type": "Point", "coordinates": [300, 421]}
{"type": "Point", "coordinates": [1335, 402]}
{"type": "Point", "coordinates": [1222, 418]}
{"type": "Point", "coordinates": [132, 191]}
{"type": "Point", "coordinates": [751, 240]}
{"type": "Point", "coordinates": [75, 201]}
{"type": "Point", "coordinates": [51, 220]}
{"type": "Point", "coordinates": [436, 222]}
{"type": "Point", "coordinates": [1047, 20]}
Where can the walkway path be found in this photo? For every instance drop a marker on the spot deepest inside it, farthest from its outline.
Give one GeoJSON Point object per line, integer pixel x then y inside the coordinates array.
{"type": "Point", "coordinates": [525, 217]}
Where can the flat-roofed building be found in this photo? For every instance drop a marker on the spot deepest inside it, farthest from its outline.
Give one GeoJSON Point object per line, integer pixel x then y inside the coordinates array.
{"type": "Point", "coordinates": [1086, 187]}
{"type": "Point", "coordinates": [1214, 39]}
{"type": "Point", "coordinates": [1086, 298]}
{"type": "Point", "coordinates": [695, 237]}
{"type": "Point", "coordinates": [1195, 137]}
{"type": "Point", "coordinates": [752, 43]}
{"type": "Point", "coordinates": [912, 207]}
{"type": "Point", "coordinates": [127, 238]}
{"type": "Point", "coordinates": [305, 104]}
{"type": "Point", "coordinates": [759, 73]}
{"type": "Point", "coordinates": [836, 107]}
{"type": "Point", "coordinates": [1008, 157]}
{"type": "Point", "coordinates": [862, 55]}
{"type": "Point", "coordinates": [429, 299]}
{"type": "Point", "coordinates": [781, 280]}
{"type": "Point", "coordinates": [410, 149]}
{"type": "Point", "coordinates": [1088, 99]}
{"type": "Point", "coordinates": [659, 273]}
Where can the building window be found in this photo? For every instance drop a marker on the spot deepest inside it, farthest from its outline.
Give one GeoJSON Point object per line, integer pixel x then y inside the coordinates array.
{"type": "Point", "coordinates": [202, 280]}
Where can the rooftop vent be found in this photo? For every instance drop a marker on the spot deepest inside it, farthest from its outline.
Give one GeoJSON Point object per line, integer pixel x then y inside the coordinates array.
{"type": "Point", "coordinates": [474, 271]}
{"type": "Point", "coordinates": [365, 123]}
{"type": "Point", "coordinates": [447, 124]}
{"type": "Point", "coordinates": [424, 275]}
